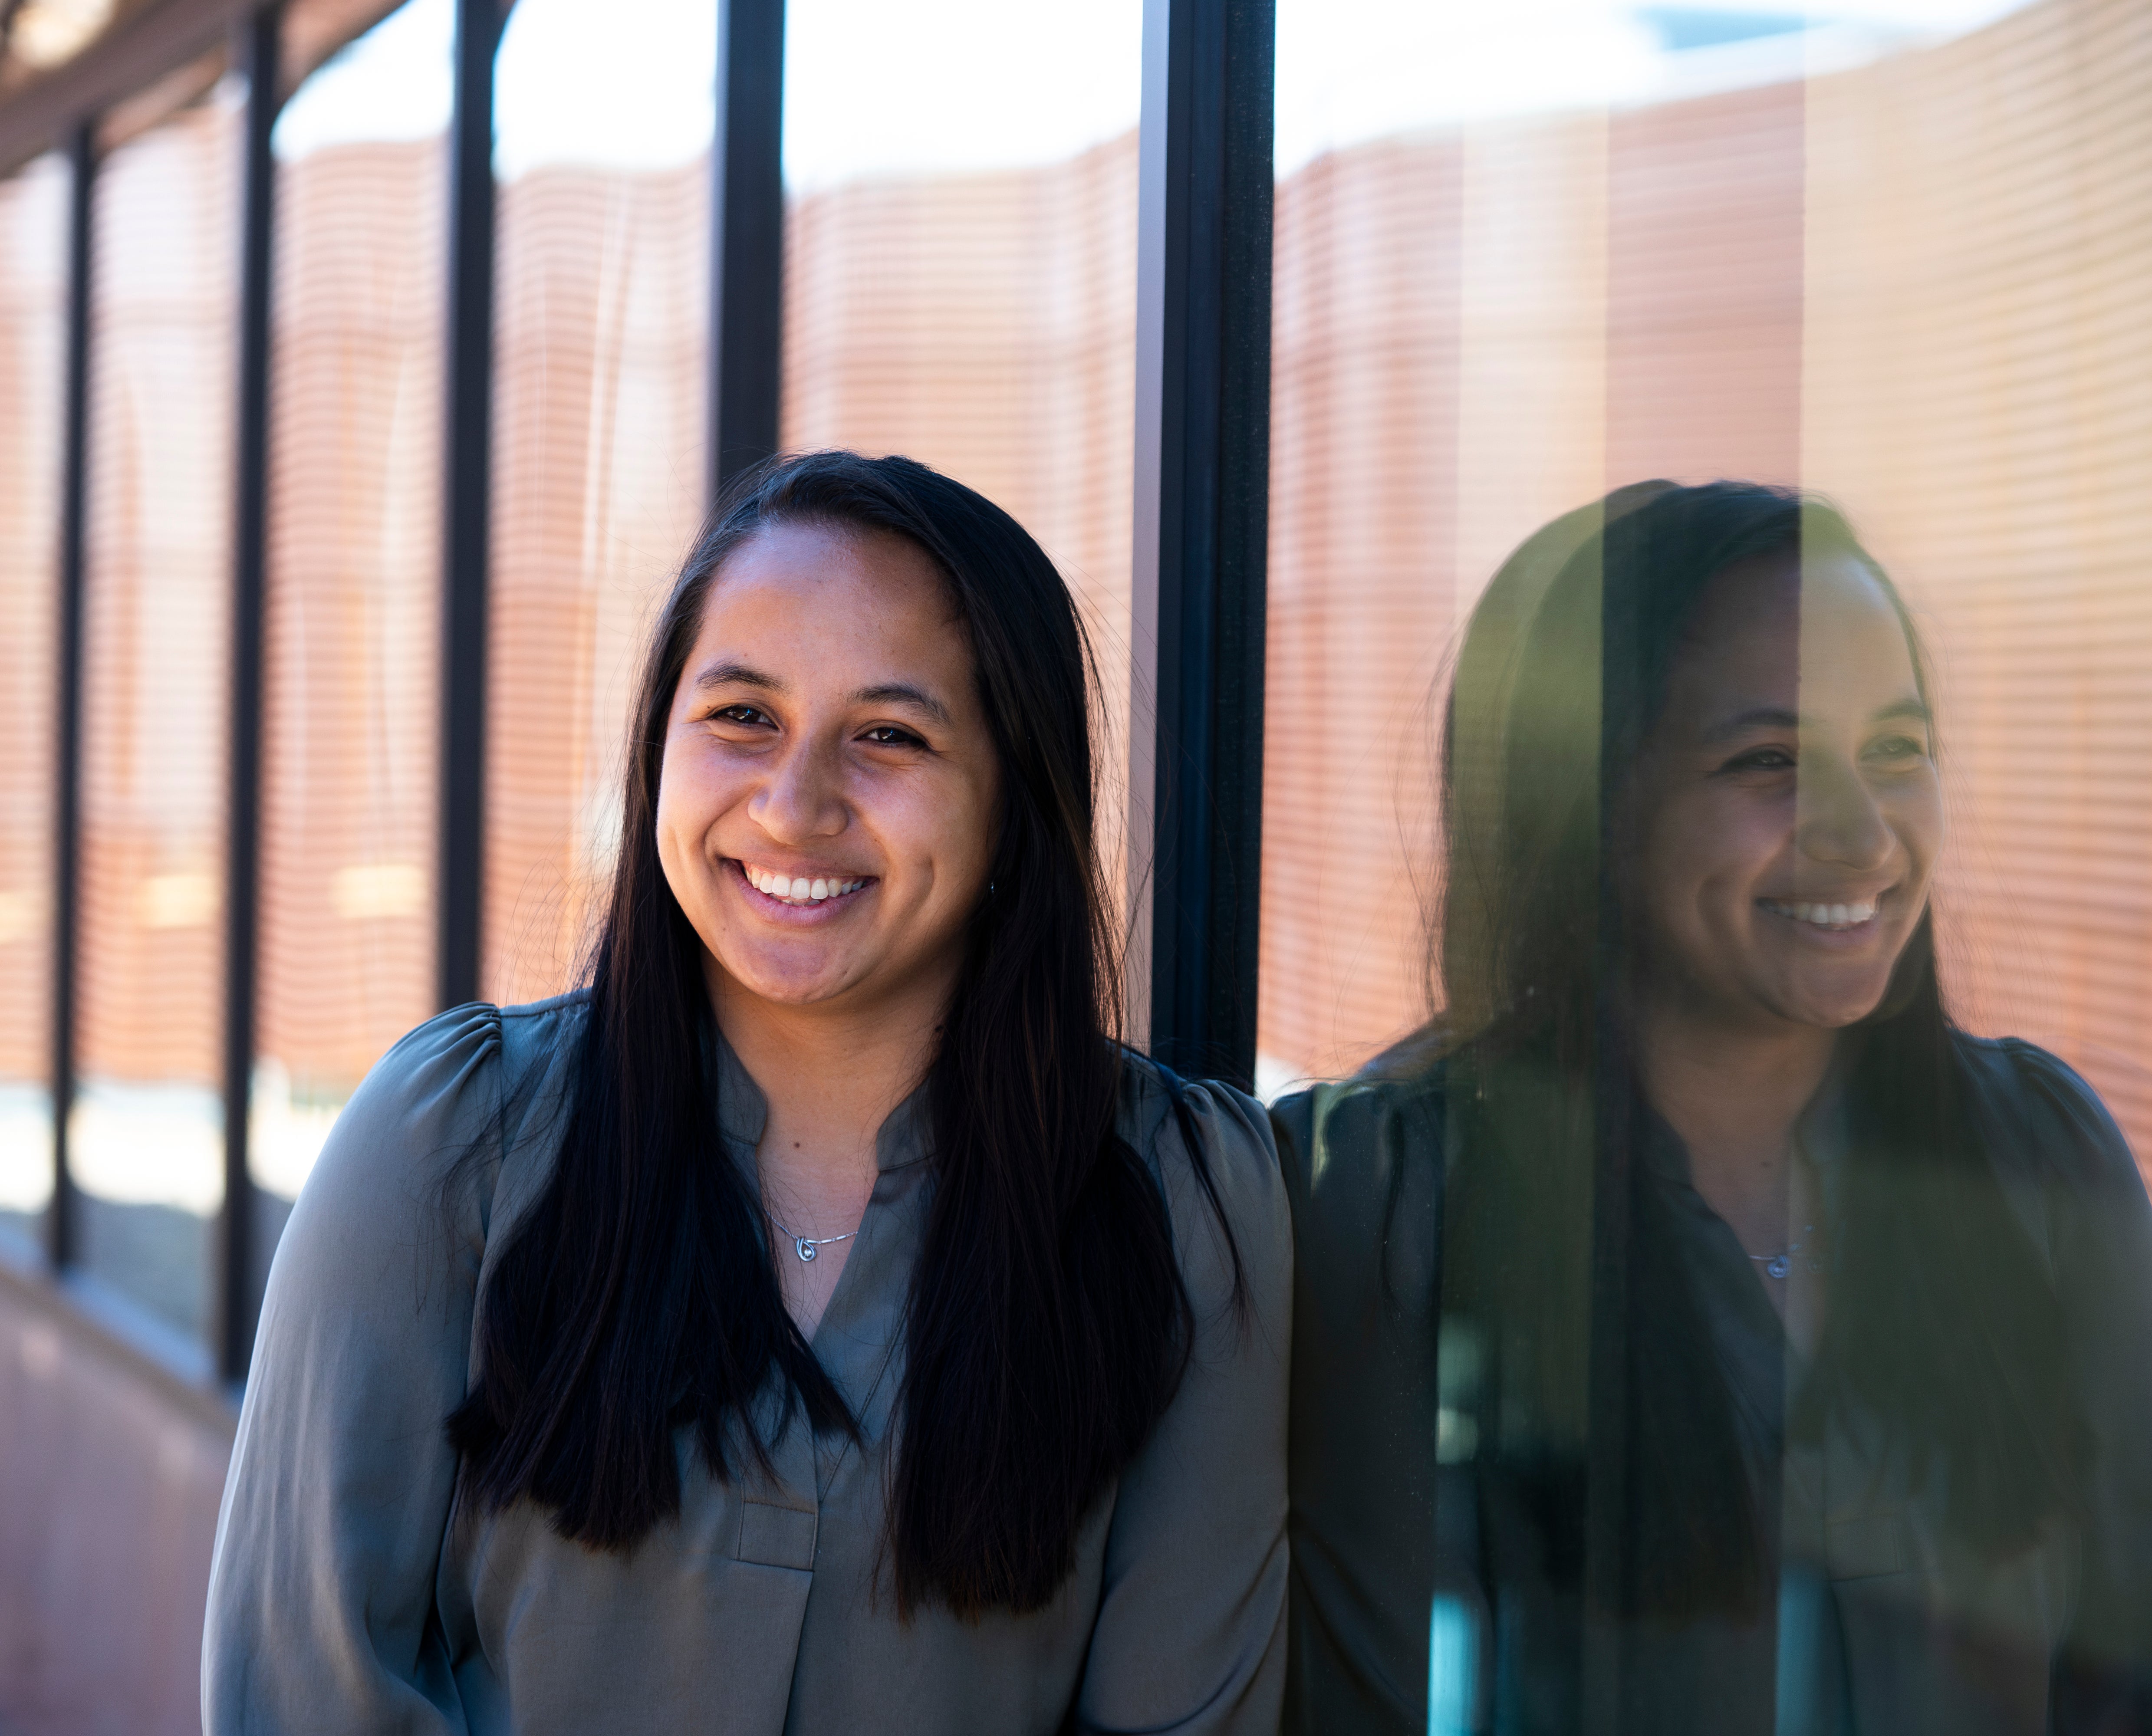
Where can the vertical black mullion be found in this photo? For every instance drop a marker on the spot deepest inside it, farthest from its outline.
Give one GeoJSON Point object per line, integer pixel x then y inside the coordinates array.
{"type": "Point", "coordinates": [468, 517]}
{"type": "Point", "coordinates": [1619, 1123]}
{"type": "Point", "coordinates": [61, 1225]}
{"type": "Point", "coordinates": [1203, 482]}
{"type": "Point", "coordinates": [237, 1304]}
{"type": "Point", "coordinates": [747, 237]}
{"type": "Point", "coordinates": [1607, 1483]}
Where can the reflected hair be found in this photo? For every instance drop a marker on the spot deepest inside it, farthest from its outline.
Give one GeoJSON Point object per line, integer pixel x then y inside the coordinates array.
{"type": "Point", "coordinates": [1943, 1325]}
{"type": "Point", "coordinates": [1047, 1325]}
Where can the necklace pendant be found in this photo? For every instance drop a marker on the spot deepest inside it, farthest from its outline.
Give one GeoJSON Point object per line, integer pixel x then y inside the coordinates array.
{"type": "Point", "coordinates": [1776, 1266]}
{"type": "Point", "coordinates": [803, 1247]}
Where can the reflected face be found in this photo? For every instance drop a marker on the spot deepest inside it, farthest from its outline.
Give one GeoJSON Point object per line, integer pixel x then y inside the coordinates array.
{"type": "Point", "coordinates": [1789, 813]}
{"type": "Point", "coordinates": [828, 800]}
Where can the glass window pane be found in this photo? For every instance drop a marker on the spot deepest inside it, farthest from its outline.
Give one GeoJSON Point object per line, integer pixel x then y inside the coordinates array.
{"type": "Point", "coordinates": [1975, 374]}
{"type": "Point", "coordinates": [146, 1134]}
{"type": "Point", "coordinates": [602, 149]}
{"type": "Point", "coordinates": [1701, 820]}
{"type": "Point", "coordinates": [1527, 256]}
{"type": "Point", "coordinates": [351, 717]}
{"type": "Point", "coordinates": [960, 272]}
{"type": "Point", "coordinates": [33, 227]}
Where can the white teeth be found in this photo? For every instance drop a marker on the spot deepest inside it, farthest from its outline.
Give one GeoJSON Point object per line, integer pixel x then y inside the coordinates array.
{"type": "Point", "coordinates": [797, 889]}
{"type": "Point", "coordinates": [1825, 916]}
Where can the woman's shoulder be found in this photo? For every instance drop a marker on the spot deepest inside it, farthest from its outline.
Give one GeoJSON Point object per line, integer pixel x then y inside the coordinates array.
{"type": "Point", "coordinates": [1231, 1118]}
{"type": "Point", "coordinates": [2041, 1118]}
{"type": "Point", "coordinates": [434, 1101]}
{"type": "Point", "coordinates": [422, 1161]}
{"type": "Point", "coordinates": [1191, 1130]}
{"type": "Point", "coordinates": [1339, 1134]}
{"type": "Point", "coordinates": [460, 1066]}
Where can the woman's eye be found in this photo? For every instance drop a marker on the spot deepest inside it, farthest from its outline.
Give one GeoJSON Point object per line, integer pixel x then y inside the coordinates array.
{"type": "Point", "coordinates": [1899, 752]}
{"type": "Point", "coordinates": [1898, 749]}
{"type": "Point", "coordinates": [888, 735]}
{"type": "Point", "coordinates": [746, 716]}
{"type": "Point", "coordinates": [1763, 759]}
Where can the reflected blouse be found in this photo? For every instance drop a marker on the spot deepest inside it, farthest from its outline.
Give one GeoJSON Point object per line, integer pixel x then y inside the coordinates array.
{"type": "Point", "coordinates": [351, 1593]}
{"type": "Point", "coordinates": [1882, 1624]}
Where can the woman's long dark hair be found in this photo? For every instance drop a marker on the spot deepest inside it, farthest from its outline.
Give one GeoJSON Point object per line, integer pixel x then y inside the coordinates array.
{"type": "Point", "coordinates": [1943, 1324]}
{"type": "Point", "coordinates": [1047, 1323]}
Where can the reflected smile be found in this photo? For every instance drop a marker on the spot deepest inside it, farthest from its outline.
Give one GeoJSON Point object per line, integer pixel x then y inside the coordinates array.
{"type": "Point", "coordinates": [1837, 918]}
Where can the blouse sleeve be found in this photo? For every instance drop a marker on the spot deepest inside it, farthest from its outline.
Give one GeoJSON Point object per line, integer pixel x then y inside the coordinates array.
{"type": "Point", "coordinates": [321, 1600]}
{"type": "Point", "coordinates": [1364, 1170]}
{"type": "Point", "coordinates": [2099, 1238]}
{"type": "Point", "coordinates": [1190, 1635]}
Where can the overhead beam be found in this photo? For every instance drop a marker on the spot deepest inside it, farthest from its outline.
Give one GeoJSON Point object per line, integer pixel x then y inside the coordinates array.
{"type": "Point", "coordinates": [142, 46]}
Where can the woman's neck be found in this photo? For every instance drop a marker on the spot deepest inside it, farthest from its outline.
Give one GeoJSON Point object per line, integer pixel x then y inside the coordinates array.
{"type": "Point", "coordinates": [831, 1077]}
{"type": "Point", "coordinates": [1733, 1095]}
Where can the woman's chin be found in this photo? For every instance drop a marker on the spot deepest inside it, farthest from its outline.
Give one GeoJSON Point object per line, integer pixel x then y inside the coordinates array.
{"type": "Point", "coordinates": [792, 976]}
{"type": "Point", "coordinates": [1832, 1007]}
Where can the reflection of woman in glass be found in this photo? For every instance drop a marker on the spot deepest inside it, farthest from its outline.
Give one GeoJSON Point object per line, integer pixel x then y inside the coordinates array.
{"type": "Point", "coordinates": [816, 1324]}
{"type": "Point", "coordinates": [1694, 1331]}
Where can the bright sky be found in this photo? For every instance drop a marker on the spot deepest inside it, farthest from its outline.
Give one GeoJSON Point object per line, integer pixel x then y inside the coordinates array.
{"type": "Point", "coordinates": [1350, 70]}
{"type": "Point", "coordinates": [874, 87]}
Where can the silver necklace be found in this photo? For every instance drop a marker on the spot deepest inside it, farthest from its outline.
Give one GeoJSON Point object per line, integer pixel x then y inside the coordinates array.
{"type": "Point", "coordinates": [805, 1246]}
{"type": "Point", "coordinates": [1780, 1263]}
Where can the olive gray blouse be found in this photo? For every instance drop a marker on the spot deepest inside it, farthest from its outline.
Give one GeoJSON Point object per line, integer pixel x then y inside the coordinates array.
{"type": "Point", "coordinates": [350, 1593]}
{"type": "Point", "coordinates": [1883, 1624]}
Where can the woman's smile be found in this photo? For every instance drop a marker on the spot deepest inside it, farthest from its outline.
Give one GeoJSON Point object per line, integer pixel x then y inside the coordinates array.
{"type": "Point", "coordinates": [828, 804]}
{"type": "Point", "coordinates": [1790, 816]}
{"type": "Point", "coordinates": [1842, 920]}
{"type": "Point", "coordinates": [789, 893]}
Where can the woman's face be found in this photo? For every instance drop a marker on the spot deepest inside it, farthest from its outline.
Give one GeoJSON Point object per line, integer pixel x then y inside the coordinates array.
{"type": "Point", "coordinates": [827, 806]}
{"type": "Point", "coordinates": [1789, 812]}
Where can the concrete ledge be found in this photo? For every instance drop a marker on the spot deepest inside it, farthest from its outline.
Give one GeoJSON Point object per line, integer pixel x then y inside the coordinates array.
{"type": "Point", "coordinates": [112, 1465]}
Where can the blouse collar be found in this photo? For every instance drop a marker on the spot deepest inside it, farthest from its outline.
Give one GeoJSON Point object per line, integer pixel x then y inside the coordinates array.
{"type": "Point", "coordinates": [744, 1113]}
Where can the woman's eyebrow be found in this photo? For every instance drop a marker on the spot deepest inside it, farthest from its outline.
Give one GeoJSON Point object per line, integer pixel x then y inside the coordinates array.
{"type": "Point", "coordinates": [899, 692]}
{"type": "Point", "coordinates": [1772, 717]}
{"type": "Point", "coordinates": [1764, 716]}
{"type": "Point", "coordinates": [725, 675]}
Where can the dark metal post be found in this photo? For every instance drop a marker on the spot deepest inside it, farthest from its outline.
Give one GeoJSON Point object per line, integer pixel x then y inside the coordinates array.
{"type": "Point", "coordinates": [237, 1303]}
{"type": "Point", "coordinates": [747, 237]}
{"type": "Point", "coordinates": [461, 893]}
{"type": "Point", "coordinates": [62, 1229]}
{"type": "Point", "coordinates": [1606, 1486]}
{"type": "Point", "coordinates": [1202, 490]}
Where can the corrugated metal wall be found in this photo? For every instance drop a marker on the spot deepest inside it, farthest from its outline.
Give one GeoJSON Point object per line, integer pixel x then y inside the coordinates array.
{"type": "Point", "coordinates": [984, 324]}
{"type": "Point", "coordinates": [598, 478]}
{"type": "Point", "coordinates": [351, 707]}
{"type": "Point", "coordinates": [1916, 284]}
{"type": "Point", "coordinates": [1917, 287]}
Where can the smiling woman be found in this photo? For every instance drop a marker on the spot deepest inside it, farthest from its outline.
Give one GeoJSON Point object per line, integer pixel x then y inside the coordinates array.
{"type": "Point", "coordinates": [825, 817]}
{"type": "Point", "coordinates": [818, 1320]}
{"type": "Point", "coordinates": [1782, 1345]}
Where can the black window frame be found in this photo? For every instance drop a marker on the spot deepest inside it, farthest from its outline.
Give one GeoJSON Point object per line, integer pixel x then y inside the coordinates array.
{"type": "Point", "coordinates": [1201, 497]}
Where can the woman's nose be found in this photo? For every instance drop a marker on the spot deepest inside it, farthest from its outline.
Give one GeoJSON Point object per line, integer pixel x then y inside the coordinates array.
{"type": "Point", "coordinates": [1837, 818]}
{"type": "Point", "coordinates": [802, 797]}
